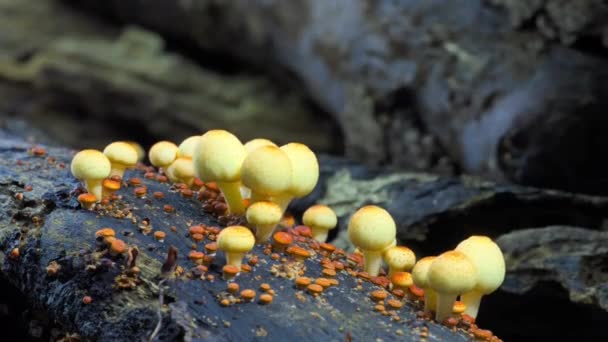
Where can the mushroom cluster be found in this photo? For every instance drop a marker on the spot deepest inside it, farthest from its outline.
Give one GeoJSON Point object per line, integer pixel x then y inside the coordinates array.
{"type": "Point", "coordinates": [253, 183]}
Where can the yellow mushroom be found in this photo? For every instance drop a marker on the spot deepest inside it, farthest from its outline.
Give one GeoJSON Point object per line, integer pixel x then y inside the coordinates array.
{"type": "Point", "coordinates": [267, 172]}
{"type": "Point", "coordinates": [122, 156]}
{"type": "Point", "coordinates": [218, 157]}
{"type": "Point", "coordinates": [92, 167]}
{"type": "Point", "coordinates": [490, 264]}
{"type": "Point", "coordinates": [420, 274]}
{"type": "Point", "coordinates": [372, 229]}
{"type": "Point", "coordinates": [250, 146]}
{"type": "Point", "coordinates": [304, 173]}
{"type": "Point", "coordinates": [235, 241]}
{"type": "Point", "coordinates": [141, 153]}
{"type": "Point", "coordinates": [450, 274]}
{"type": "Point", "coordinates": [399, 259]}
{"type": "Point", "coordinates": [265, 216]}
{"type": "Point", "coordinates": [321, 219]}
{"type": "Point", "coordinates": [187, 147]}
{"type": "Point", "coordinates": [181, 171]}
{"type": "Point", "coordinates": [162, 154]}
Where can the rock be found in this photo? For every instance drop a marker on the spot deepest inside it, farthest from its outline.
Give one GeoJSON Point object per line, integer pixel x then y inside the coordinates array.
{"type": "Point", "coordinates": [126, 83]}
{"type": "Point", "coordinates": [575, 258]}
{"type": "Point", "coordinates": [508, 89]}
{"type": "Point", "coordinates": [49, 252]}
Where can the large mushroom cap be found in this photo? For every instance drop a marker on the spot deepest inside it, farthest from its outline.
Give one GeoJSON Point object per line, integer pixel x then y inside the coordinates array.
{"type": "Point", "coordinates": [488, 260]}
{"type": "Point", "coordinates": [218, 157]}
{"type": "Point", "coordinates": [90, 164]}
{"type": "Point", "coordinates": [187, 147]}
{"type": "Point", "coordinates": [235, 239]}
{"type": "Point", "coordinates": [121, 152]}
{"type": "Point", "coordinates": [452, 273]}
{"type": "Point", "coordinates": [320, 216]}
{"type": "Point", "coordinates": [267, 171]}
{"type": "Point", "coordinates": [420, 271]}
{"type": "Point", "coordinates": [163, 153]}
{"type": "Point", "coordinates": [371, 228]}
{"type": "Point", "coordinates": [254, 144]}
{"type": "Point", "coordinates": [141, 153]}
{"type": "Point", "coordinates": [264, 213]}
{"type": "Point", "coordinates": [305, 169]}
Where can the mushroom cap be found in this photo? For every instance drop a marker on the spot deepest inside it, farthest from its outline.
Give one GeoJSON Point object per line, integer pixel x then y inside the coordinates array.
{"type": "Point", "coordinates": [420, 272]}
{"type": "Point", "coordinates": [282, 238]}
{"type": "Point", "coordinates": [218, 157]}
{"type": "Point", "coordinates": [254, 144]}
{"type": "Point", "coordinates": [118, 246]}
{"type": "Point", "coordinates": [121, 152]}
{"type": "Point", "coordinates": [267, 170]}
{"type": "Point", "coordinates": [141, 153]}
{"type": "Point", "coordinates": [87, 198]}
{"type": "Point", "coordinates": [402, 279]}
{"type": "Point", "coordinates": [163, 153]}
{"type": "Point", "coordinates": [320, 216]}
{"type": "Point", "coordinates": [236, 239]}
{"type": "Point", "coordinates": [111, 184]}
{"type": "Point", "coordinates": [187, 147]}
{"type": "Point", "coordinates": [452, 273]}
{"type": "Point", "coordinates": [181, 168]}
{"type": "Point", "coordinates": [400, 257]}
{"type": "Point", "coordinates": [371, 228]}
{"type": "Point", "coordinates": [488, 260]}
{"type": "Point", "coordinates": [264, 213]}
{"type": "Point", "coordinates": [90, 164]}
{"type": "Point", "coordinates": [305, 169]}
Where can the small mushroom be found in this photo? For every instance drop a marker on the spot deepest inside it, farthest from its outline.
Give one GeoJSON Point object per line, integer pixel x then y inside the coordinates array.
{"type": "Point", "coordinates": [162, 154]}
{"type": "Point", "coordinates": [181, 171]}
{"type": "Point", "coordinates": [450, 274]}
{"type": "Point", "coordinates": [235, 241]}
{"type": "Point", "coordinates": [420, 274]}
{"type": "Point", "coordinates": [92, 167]}
{"type": "Point", "coordinates": [110, 186]}
{"type": "Point", "coordinates": [87, 201]}
{"type": "Point", "coordinates": [372, 229]}
{"type": "Point", "coordinates": [141, 153]}
{"type": "Point", "coordinates": [122, 156]}
{"type": "Point", "coordinates": [321, 219]}
{"type": "Point", "coordinates": [265, 216]}
{"type": "Point", "coordinates": [218, 157]}
{"type": "Point", "coordinates": [490, 264]}
{"type": "Point", "coordinates": [399, 258]}
{"type": "Point", "coordinates": [250, 146]}
{"type": "Point", "coordinates": [187, 147]}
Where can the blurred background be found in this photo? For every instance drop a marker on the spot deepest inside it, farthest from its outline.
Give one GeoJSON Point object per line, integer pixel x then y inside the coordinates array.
{"type": "Point", "coordinates": [508, 90]}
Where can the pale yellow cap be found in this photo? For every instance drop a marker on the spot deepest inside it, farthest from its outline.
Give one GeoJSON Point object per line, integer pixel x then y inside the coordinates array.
{"type": "Point", "coordinates": [187, 147]}
{"type": "Point", "coordinates": [267, 171]}
{"type": "Point", "coordinates": [488, 260]}
{"type": "Point", "coordinates": [90, 164]}
{"type": "Point", "coordinates": [218, 157]}
{"type": "Point", "coordinates": [371, 228]}
{"type": "Point", "coordinates": [254, 144]}
{"type": "Point", "coordinates": [452, 273]}
{"type": "Point", "coordinates": [163, 153]}
{"type": "Point", "coordinates": [121, 153]}
{"type": "Point", "coordinates": [264, 213]}
{"type": "Point", "coordinates": [420, 272]}
{"type": "Point", "coordinates": [235, 239]}
{"type": "Point", "coordinates": [400, 258]}
{"type": "Point", "coordinates": [182, 169]}
{"type": "Point", "coordinates": [305, 169]}
{"type": "Point", "coordinates": [320, 216]}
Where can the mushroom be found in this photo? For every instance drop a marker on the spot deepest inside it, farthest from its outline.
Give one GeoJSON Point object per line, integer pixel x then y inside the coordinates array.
{"type": "Point", "coordinates": [162, 154]}
{"type": "Point", "coordinates": [371, 229]}
{"type": "Point", "coordinates": [321, 219]}
{"type": "Point", "coordinates": [181, 170]}
{"type": "Point", "coordinates": [420, 274]}
{"type": "Point", "coordinates": [490, 264]}
{"type": "Point", "coordinates": [92, 167]}
{"type": "Point", "coordinates": [267, 172]}
{"type": "Point", "coordinates": [109, 187]}
{"type": "Point", "coordinates": [235, 241]}
{"type": "Point", "coordinates": [218, 157]}
{"type": "Point", "coordinates": [304, 173]}
{"type": "Point", "coordinates": [265, 216]}
{"type": "Point", "coordinates": [450, 274]}
{"type": "Point", "coordinates": [122, 156]}
{"type": "Point", "coordinates": [250, 146]}
{"type": "Point", "coordinates": [399, 258]}
{"type": "Point", "coordinates": [187, 147]}
{"type": "Point", "coordinates": [87, 201]}
{"type": "Point", "coordinates": [401, 280]}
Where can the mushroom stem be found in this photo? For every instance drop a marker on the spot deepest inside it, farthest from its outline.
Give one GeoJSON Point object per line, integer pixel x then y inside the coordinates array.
{"type": "Point", "coordinates": [445, 305]}
{"type": "Point", "coordinates": [234, 258]}
{"type": "Point", "coordinates": [263, 232]}
{"type": "Point", "coordinates": [471, 300]}
{"type": "Point", "coordinates": [430, 300]}
{"type": "Point", "coordinates": [319, 234]}
{"type": "Point", "coordinates": [95, 187]}
{"type": "Point", "coordinates": [373, 262]}
{"type": "Point", "coordinates": [118, 170]}
{"type": "Point", "coordinates": [232, 194]}
{"type": "Point", "coordinates": [283, 201]}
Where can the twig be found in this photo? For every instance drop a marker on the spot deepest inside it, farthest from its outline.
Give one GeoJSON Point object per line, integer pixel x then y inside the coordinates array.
{"type": "Point", "coordinates": [161, 297]}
